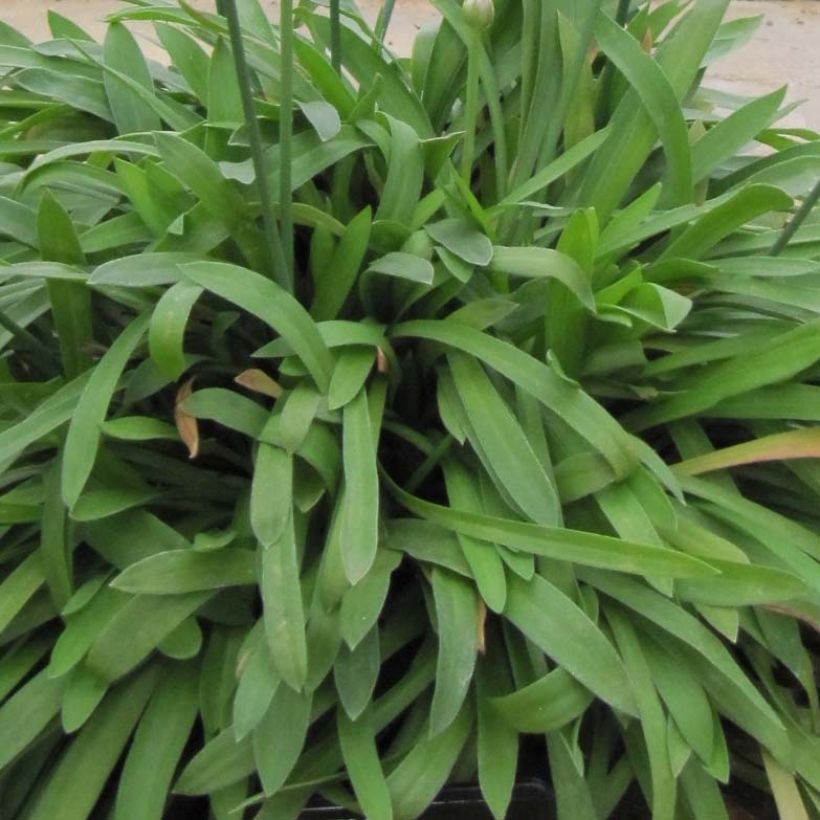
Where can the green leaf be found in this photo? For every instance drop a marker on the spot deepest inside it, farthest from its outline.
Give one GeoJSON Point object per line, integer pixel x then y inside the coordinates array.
{"type": "Point", "coordinates": [142, 270]}
{"type": "Point", "coordinates": [405, 174]}
{"type": "Point", "coordinates": [187, 57]}
{"type": "Point", "coordinates": [633, 133]}
{"type": "Point", "coordinates": [360, 513]}
{"type": "Point", "coordinates": [684, 697]}
{"type": "Point", "coordinates": [271, 505]}
{"type": "Point", "coordinates": [579, 411]}
{"type": "Point", "coordinates": [363, 766]}
{"type": "Point", "coordinates": [355, 673]}
{"type": "Point", "coordinates": [280, 736]}
{"type": "Point", "coordinates": [271, 304]}
{"type": "Point", "coordinates": [81, 697]}
{"type": "Point", "coordinates": [81, 93]}
{"type": "Point", "coordinates": [497, 436]}
{"type": "Point", "coordinates": [229, 409]}
{"type": "Point", "coordinates": [653, 718]}
{"type": "Point", "coordinates": [180, 571]}
{"type": "Point", "coordinates": [19, 586]}
{"type": "Point", "coordinates": [779, 359]}
{"type": "Point", "coordinates": [75, 785]}
{"type": "Point", "coordinates": [457, 622]}
{"type": "Point", "coordinates": [136, 630]}
{"type": "Point", "coordinates": [353, 366]}
{"type": "Point", "coordinates": [404, 266]}
{"type": "Point", "coordinates": [541, 263]}
{"type": "Point", "coordinates": [62, 28]}
{"type": "Point", "coordinates": [485, 562]}
{"type": "Point", "coordinates": [497, 740]}
{"type": "Point", "coordinates": [335, 283]}
{"type": "Point", "coordinates": [70, 301]}
{"type": "Point", "coordinates": [83, 436]}
{"type": "Point", "coordinates": [221, 762]}
{"type": "Point", "coordinates": [121, 52]}
{"type": "Point", "coordinates": [218, 196]}
{"type": "Point", "coordinates": [568, 160]}
{"type": "Point", "coordinates": [710, 654]}
{"type": "Point", "coordinates": [224, 101]}
{"type": "Point", "coordinates": [167, 329]}
{"type": "Point", "coordinates": [658, 98]}
{"type": "Point", "coordinates": [27, 713]}
{"type": "Point", "coordinates": [323, 117]}
{"type": "Point", "coordinates": [158, 745]}
{"type": "Point", "coordinates": [463, 240]}
{"type": "Point", "coordinates": [415, 782]}
{"type": "Point", "coordinates": [580, 547]}
{"type": "Point", "coordinates": [298, 415]}
{"type": "Point", "coordinates": [561, 629]}
{"type": "Point", "coordinates": [258, 683]}
{"type": "Point", "coordinates": [363, 602]}
{"type": "Point", "coordinates": [547, 704]}
{"type": "Point", "coordinates": [282, 606]}
{"type": "Point", "coordinates": [139, 428]}
{"type": "Point", "coordinates": [729, 136]}
{"type": "Point", "coordinates": [83, 625]}
{"type": "Point", "coordinates": [748, 204]}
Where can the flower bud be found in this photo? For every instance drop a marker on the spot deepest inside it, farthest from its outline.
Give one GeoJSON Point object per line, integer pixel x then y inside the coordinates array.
{"type": "Point", "coordinates": [479, 13]}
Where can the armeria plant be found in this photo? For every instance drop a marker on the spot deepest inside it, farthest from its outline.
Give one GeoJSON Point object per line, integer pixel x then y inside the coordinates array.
{"type": "Point", "coordinates": [360, 415]}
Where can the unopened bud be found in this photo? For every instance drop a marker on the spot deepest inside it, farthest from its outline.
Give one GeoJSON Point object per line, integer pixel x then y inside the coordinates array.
{"type": "Point", "coordinates": [479, 13]}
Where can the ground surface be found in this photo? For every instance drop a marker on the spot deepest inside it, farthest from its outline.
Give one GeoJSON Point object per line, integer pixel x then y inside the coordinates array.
{"type": "Point", "coordinates": [784, 49]}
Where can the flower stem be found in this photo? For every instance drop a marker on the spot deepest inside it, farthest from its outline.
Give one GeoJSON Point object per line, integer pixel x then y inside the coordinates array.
{"type": "Point", "coordinates": [796, 221]}
{"type": "Point", "coordinates": [273, 242]}
{"type": "Point", "coordinates": [335, 36]}
{"type": "Point", "coordinates": [471, 105]}
{"type": "Point", "coordinates": [286, 131]}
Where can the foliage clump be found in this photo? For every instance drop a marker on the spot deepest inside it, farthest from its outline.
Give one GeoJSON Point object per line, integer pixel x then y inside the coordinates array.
{"type": "Point", "coordinates": [359, 415]}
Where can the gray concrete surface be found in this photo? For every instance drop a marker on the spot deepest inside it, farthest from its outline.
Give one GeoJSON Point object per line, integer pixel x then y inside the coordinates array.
{"type": "Point", "coordinates": [784, 50]}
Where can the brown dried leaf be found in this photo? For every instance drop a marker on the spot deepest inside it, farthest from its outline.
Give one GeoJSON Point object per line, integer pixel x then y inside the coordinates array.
{"type": "Point", "coordinates": [382, 363]}
{"type": "Point", "coordinates": [185, 422]}
{"type": "Point", "coordinates": [260, 382]}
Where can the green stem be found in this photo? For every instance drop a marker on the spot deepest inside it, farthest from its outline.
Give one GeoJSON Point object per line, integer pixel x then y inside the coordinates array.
{"type": "Point", "coordinates": [25, 337]}
{"type": "Point", "coordinates": [276, 258]}
{"type": "Point", "coordinates": [796, 221]}
{"type": "Point", "coordinates": [336, 36]}
{"type": "Point", "coordinates": [221, 7]}
{"type": "Point", "coordinates": [471, 105]}
{"type": "Point", "coordinates": [384, 20]}
{"type": "Point", "coordinates": [429, 464]}
{"type": "Point", "coordinates": [286, 131]}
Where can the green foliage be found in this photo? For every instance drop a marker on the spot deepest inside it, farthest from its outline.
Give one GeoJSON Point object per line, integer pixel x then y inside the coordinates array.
{"type": "Point", "coordinates": [359, 415]}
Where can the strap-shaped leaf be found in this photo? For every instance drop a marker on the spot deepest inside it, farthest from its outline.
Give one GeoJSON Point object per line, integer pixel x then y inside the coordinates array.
{"type": "Point", "coordinates": [280, 736]}
{"type": "Point", "coordinates": [282, 603]}
{"type": "Point", "coordinates": [568, 402]}
{"type": "Point", "coordinates": [360, 514]}
{"type": "Point", "coordinates": [497, 434]}
{"type": "Point", "coordinates": [131, 113]}
{"type": "Point", "coordinates": [83, 436]}
{"type": "Point", "coordinates": [561, 629]}
{"type": "Point", "coordinates": [158, 744]}
{"type": "Point", "coordinates": [457, 622]}
{"type": "Point", "coordinates": [585, 548]}
{"type": "Point", "coordinates": [363, 765]}
{"type": "Point", "coordinates": [181, 571]}
{"type": "Point", "coordinates": [658, 98]}
{"type": "Point", "coordinates": [271, 304]}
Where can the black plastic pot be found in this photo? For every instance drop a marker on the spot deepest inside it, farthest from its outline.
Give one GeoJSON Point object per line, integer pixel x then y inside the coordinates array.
{"type": "Point", "coordinates": [531, 800]}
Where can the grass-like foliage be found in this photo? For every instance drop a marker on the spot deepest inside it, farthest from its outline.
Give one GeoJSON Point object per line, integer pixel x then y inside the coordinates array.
{"type": "Point", "coordinates": [355, 423]}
